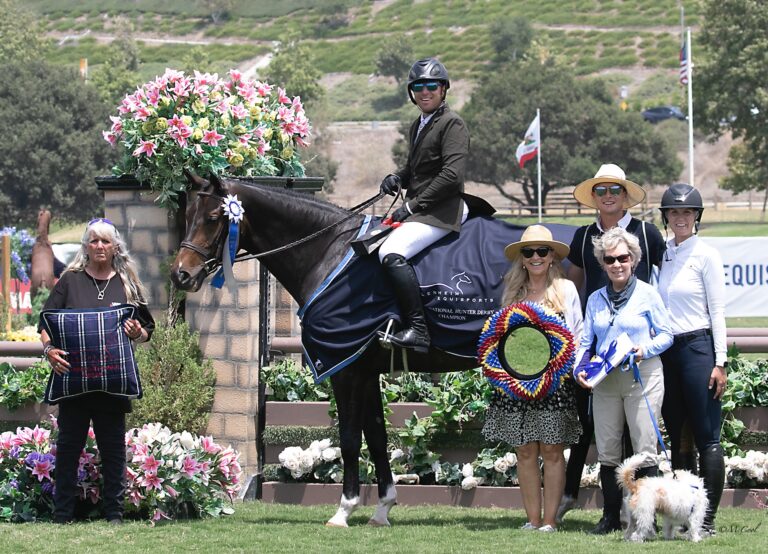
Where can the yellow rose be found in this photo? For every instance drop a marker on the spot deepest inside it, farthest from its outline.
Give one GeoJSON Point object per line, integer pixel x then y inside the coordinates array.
{"type": "Point", "coordinates": [287, 153]}
{"type": "Point", "coordinates": [161, 124]}
{"type": "Point", "coordinates": [186, 119]}
{"type": "Point", "coordinates": [236, 160]}
{"type": "Point", "coordinates": [197, 134]}
{"type": "Point", "coordinates": [165, 101]}
{"type": "Point", "coordinates": [203, 123]}
{"type": "Point", "coordinates": [215, 96]}
{"type": "Point", "coordinates": [240, 130]}
{"type": "Point", "coordinates": [267, 134]}
{"type": "Point", "coordinates": [198, 106]}
{"type": "Point", "coordinates": [255, 112]}
{"type": "Point", "coordinates": [225, 120]}
{"type": "Point", "coordinates": [147, 127]}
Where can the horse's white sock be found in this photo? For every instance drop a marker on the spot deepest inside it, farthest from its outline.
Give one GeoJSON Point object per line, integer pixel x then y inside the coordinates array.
{"type": "Point", "coordinates": [346, 507]}
{"type": "Point", "coordinates": [380, 516]}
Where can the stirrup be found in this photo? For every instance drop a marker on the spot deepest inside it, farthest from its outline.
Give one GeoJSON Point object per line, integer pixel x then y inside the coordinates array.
{"type": "Point", "coordinates": [385, 336]}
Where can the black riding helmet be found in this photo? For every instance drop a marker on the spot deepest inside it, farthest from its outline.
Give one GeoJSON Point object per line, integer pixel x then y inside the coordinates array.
{"type": "Point", "coordinates": [428, 69]}
{"type": "Point", "coordinates": [681, 195]}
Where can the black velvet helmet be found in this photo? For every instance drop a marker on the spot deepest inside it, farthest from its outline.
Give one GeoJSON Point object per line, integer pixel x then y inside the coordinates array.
{"type": "Point", "coordinates": [428, 69]}
{"type": "Point", "coordinates": [681, 195]}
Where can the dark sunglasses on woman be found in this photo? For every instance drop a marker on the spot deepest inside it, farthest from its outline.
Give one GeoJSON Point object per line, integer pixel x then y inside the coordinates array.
{"type": "Point", "coordinates": [600, 190]}
{"type": "Point", "coordinates": [610, 260]}
{"type": "Point", "coordinates": [540, 251]}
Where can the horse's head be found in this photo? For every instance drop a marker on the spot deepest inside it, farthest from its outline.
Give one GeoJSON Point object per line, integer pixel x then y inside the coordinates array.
{"type": "Point", "coordinates": [201, 250]}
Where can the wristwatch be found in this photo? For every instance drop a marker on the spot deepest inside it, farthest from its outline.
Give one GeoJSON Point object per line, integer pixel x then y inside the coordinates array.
{"type": "Point", "coordinates": [48, 348]}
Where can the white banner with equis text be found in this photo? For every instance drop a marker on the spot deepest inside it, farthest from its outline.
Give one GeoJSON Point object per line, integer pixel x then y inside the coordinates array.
{"type": "Point", "coordinates": [745, 261]}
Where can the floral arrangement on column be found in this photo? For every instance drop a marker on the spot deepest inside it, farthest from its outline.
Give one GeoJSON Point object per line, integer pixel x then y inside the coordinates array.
{"type": "Point", "coordinates": [206, 124]}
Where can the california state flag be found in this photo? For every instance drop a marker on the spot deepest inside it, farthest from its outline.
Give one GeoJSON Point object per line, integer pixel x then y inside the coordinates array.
{"type": "Point", "coordinates": [530, 146]}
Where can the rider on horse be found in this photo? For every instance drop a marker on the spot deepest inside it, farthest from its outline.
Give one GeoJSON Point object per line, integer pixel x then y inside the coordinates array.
{"type": "Point", "coordinates": [435, 203]}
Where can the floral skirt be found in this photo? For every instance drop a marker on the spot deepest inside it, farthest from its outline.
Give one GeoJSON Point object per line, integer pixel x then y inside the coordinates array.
{"type": "Point", "coordinates": [551, 420]}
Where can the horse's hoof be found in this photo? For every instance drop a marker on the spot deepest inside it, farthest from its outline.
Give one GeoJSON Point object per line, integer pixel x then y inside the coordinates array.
{"type": "Point", "coordinates": [336, 525]}
{"type": "Point", "coordinates": [376, 523]}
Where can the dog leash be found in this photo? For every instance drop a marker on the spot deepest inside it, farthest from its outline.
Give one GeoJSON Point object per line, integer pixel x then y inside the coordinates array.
{"type": "Point", "coordinates": [636, 374]}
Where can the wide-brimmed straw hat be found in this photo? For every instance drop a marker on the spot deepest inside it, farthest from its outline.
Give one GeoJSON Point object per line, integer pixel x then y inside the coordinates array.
{"type": "Point", "coordinates": [536, 235]}
{"type": "Point", "coordinates": [609, 173]}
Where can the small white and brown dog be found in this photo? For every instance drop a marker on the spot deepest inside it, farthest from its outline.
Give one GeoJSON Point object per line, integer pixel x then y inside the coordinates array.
{"type": "Point", "coordinates": [680, 498]}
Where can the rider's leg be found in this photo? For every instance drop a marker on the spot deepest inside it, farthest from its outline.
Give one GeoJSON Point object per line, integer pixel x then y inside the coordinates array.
{"type": "Point", "coordinates": [402, 244]}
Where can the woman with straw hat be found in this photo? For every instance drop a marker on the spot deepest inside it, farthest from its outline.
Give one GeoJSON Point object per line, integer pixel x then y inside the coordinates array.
{"type": "Point", "coordinates": [544, 426]}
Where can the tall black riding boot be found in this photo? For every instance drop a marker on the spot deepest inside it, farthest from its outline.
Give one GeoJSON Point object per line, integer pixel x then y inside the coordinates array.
{"type": "Point", "coordinates": [611, 520]}
{"type": "Point", "coordinates": [712, 469]}
{"type": "Point", "coordinates": [403, 277]}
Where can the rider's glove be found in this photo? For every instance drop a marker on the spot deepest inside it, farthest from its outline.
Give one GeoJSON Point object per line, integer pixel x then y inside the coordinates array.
{"type": "Point", "coordinates": [390, 184]}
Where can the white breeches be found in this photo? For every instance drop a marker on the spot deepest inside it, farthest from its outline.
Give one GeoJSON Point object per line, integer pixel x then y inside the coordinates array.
{"type": "Point", "coordinates": [412, 237]}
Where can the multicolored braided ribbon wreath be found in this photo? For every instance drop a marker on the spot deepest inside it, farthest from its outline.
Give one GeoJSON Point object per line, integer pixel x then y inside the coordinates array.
{"type": "Point", "coordinates": [561, 347]}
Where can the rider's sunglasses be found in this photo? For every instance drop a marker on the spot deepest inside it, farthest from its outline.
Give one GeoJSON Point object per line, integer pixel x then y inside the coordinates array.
{"type": "Point", "coordinates": [100, 220]}
{"type": "Point", "coordinates": [541, 251]}
{"type": "Point", "coordinates": [431, 86]}
{"type": "Point", "coordinates": [600, 190]}
{"type": "Point", "coordinates": [610, 260]}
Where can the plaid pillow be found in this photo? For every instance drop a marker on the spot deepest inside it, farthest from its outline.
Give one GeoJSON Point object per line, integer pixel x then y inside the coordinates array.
{"type": "Point", "coordinates": [100, 352]}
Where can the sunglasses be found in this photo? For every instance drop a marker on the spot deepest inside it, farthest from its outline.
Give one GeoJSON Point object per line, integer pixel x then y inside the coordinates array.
{"type": "Point", "coordinates": [541, 251]}
{"type": "Point", "coordinates": [600, 190]}
{"type": "Point", "coordinates": [100, 220]}
{"type": "Point", "coordinates": [622, 259]}
{"type": "Point", "coordinates": [431, 86]}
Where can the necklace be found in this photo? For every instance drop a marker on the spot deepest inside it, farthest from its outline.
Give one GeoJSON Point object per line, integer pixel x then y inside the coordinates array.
{"type": "Point", "coordinates": [101, 291]}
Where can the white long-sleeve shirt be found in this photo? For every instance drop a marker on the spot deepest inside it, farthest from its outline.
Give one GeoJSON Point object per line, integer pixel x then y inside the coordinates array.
{"type": "Point", "coordinates": [692, 286]}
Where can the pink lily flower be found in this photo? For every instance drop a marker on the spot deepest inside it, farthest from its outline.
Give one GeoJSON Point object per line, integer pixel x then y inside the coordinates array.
{"type": "Point", "coordinates": [150, 464]}
{"type": "Point", "coordinates": [147, 147]}
{"type": "Point", "coordinates": [152, 481]}
{"type": "Point", "coordinates": [42, 470]}
{"type": "Point", "coordinates": [209, 446]}
{"type": "Point", "coordinates": [282, 97]}
{"type": "Point", "coordinates": [211, 137]}
{"type": "Point", "coordinates": [189, 467]}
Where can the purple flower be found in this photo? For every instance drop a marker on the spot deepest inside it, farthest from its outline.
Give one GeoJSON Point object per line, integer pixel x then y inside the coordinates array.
{"type": "Point", "coordinates": [47, 488]}
{"type": "Point", "coordinates": [14, 452]}
{"type": "Point", "coordinates": [14, 484]}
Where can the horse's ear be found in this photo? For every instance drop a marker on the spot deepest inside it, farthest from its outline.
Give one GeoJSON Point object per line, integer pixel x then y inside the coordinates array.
{"type": "Point", "coordinates": [195, 180]}
{"type": "Point", "coordinates": [218, 185]}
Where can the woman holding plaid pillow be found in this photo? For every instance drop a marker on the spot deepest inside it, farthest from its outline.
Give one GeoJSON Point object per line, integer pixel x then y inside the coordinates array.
{"type": "Point", "coordinates": [101, 275]}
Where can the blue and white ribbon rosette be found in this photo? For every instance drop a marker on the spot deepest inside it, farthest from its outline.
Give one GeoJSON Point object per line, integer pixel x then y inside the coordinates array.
{"type": "Point", "coordinates": [233, 209]}
{"type": "Point", "coordinates": [604, 362]}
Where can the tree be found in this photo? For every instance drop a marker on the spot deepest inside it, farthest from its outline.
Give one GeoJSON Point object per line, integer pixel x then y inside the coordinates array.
{"type": "Point", "coordinates": [729, 83]}
{"type": "Point", "coordinates": [581, 128]}
{"type": "Point", "coordinates": [51, 143]}
{"type": "Point", "coordinates": [293, 68]}
{"type": "Point", "coordinates": [219, 10]}
{"type": "Point", "coordinates": [118, 75]}
{"type": "Point", "coordinates": [395, 58]}
{"type": "Point", "coordinates": [510, 38]}
{"type": "Point", "coordinates": [746, 172]}
{"type": "Point", "coordinates": [21, 36]}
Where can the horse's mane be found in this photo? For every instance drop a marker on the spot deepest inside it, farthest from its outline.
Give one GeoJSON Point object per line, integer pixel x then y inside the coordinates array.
{"type": "Point", "coordinates": [305, 199]}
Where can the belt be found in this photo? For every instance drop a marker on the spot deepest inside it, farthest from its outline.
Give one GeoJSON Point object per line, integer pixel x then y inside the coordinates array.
{"type": "Point", "coordinates": [687, 337]}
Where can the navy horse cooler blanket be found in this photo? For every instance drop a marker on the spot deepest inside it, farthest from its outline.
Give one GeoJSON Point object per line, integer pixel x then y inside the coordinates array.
{"type": "Point", "coordinates": [461, 279]}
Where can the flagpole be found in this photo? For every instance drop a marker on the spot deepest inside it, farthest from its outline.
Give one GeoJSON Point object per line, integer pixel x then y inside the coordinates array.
{"type": "Point", "coordinates": [538, 163]}
{"type": "Point", "coordinates": [689, 72]}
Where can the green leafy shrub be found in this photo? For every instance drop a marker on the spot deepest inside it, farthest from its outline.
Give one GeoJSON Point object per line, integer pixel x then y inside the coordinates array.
{"type": "Point", "coordinates": [19, 387]}
{"type": "Point", "coordinates": [178, 382]}
{"type": "Point", "coordinates": [290, 382]}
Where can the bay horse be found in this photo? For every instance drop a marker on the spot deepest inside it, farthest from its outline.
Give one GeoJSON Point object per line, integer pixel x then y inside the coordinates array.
{"type": "Point", "coordinates": [274, 217]}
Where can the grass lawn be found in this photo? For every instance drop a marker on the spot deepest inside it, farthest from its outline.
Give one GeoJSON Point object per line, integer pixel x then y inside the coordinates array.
{"type": "Point", "coordinates": [257, 527]}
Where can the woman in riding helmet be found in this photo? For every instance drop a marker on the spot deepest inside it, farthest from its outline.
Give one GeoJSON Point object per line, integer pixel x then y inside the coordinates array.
{"type": "Point", "coordinates": [692, 286]}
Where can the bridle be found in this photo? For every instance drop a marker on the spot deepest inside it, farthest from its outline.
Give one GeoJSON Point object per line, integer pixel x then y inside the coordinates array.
{"type": "Point", "coordinates": [212, 261]}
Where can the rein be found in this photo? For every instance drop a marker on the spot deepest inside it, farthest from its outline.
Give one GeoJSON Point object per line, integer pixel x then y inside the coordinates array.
{"type": "Point", "coordinates": [211, 261]}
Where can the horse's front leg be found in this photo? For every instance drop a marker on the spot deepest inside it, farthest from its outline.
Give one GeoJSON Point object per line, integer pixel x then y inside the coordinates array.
{"type": "Point", "coordinates": [348, 406]}
{"type": "Point", "coordinates": [374, 427]}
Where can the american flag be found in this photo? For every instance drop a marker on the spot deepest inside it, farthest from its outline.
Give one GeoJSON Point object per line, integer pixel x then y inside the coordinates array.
{"type": "Point", "coordinates": [683, 64]}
